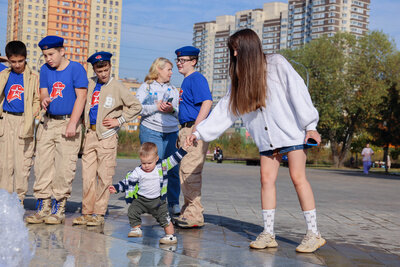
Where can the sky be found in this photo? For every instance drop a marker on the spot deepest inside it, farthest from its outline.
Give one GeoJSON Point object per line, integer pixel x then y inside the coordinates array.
{"type": "Point", "coordinates": [155, 28]}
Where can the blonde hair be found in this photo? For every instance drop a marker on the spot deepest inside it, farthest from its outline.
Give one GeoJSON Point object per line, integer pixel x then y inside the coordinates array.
{"type": "Point", "coordinates": [148, 149]}
{"type": "Point", "coordinates": [159, 63]}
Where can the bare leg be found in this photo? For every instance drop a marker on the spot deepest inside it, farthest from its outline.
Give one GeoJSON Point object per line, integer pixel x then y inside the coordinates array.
{"type": "Point", "coordinates": [169, 229]}
{"type": "Point", "coordinates": [297, 169]}
{"type": "Point", "coordinates": [269, 172]}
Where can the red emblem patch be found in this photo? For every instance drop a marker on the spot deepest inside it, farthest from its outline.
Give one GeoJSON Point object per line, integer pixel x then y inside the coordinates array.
{"type": "Point", "coordinates": [15, 92]}
{"type": "Point", "coordinates": [98, 56]}
{"type": "Point", "coordinates": [95, 99]}
{"type": "Point", "coordinates": [57, 90]}
{"type": "Point", "coordinates": [180, 95]}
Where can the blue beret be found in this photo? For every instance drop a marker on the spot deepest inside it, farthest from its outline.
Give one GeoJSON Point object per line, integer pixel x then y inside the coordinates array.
{"type": "Point", "coordinates": [51, 41]}
{"type": "Point", "coordinates": [99, 56]}
{"type": "Point", "coordinates": [187, 51]}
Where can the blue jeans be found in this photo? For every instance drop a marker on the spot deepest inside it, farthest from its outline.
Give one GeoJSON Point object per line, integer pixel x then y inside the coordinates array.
{"type": "Point", "coordinates": [283, 150]}
{"type": "Point", "coordinates": [366, 166]}
{"type": "Point", "coordinates": [166, 145]}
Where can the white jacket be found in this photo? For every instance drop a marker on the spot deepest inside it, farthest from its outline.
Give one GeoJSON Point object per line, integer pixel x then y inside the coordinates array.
{"type": "Point", "coordinates": [152, 118]}
{"type": "Point", "coordinates": [289, 111]}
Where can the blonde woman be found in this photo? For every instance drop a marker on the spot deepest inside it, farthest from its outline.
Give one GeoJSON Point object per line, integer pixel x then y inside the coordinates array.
{"type": "Point", "coordinates": [159, 123]}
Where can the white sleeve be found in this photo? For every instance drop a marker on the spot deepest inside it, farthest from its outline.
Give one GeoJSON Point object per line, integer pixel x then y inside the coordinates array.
{"type": "Point", "coordinates": [175, 101]}
{"type": "Point", "coordinates": [306, 113]}
{"type": "Point", "coordinates": [141, 95]}
{"type": "Point", "coordinates": [133, 176]}
{"type": "Point", "coordinates": [217, 122]}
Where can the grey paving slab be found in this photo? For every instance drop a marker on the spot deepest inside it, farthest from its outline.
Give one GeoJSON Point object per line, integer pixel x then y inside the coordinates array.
{"type": "Point", "coordinates": [357, 214]}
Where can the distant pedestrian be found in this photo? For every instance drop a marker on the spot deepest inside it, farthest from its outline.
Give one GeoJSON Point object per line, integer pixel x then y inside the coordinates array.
{"type": "Point", "coordinates": [388, 162]}
{"type": "Point", "coordinates": [194, 106]}
{"type": "Point", "coordinates": [367, 153]}
{"type": "Point", "coordinates": [220, 155]}
{"type": "Point", "coordinates": [109, 105]}
{"type": "Point", "coordinates": [276, 108]}
{"type": "Point", "coordinates": [159, 122]}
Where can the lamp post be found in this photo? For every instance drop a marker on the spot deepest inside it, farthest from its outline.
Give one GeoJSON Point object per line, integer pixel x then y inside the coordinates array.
{"type": "Point", "coordinates": [298, 63]}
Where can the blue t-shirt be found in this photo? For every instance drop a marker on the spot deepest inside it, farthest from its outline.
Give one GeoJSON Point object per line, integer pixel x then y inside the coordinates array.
{"type": "Point", "coordinates": [14, 93]}
{"type": "Point", "coordinates": [94, 104]}
{"type": "Point", "coordinates": [61, 86]}
{"type": "Point", "coordinates": [194, 91]}
{"type": "Point", "coordinates": [2, 67]}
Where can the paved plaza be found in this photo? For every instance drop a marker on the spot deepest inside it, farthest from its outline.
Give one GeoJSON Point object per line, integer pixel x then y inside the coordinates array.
{"type": "Point", "coordinates": [357, 214]}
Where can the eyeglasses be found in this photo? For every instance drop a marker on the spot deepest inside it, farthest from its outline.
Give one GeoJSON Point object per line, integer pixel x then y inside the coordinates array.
{"type": "Point", "coordinates": [182, 60]}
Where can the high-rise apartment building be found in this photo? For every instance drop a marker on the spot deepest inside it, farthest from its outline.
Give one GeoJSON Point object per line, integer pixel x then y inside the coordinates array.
{"type": "Point", "coordinates": [310, 19]}
{"type": "Point", "coordinates": [87, 26]}
{"type": "Point", "coordinates": [211, 38]}
{"type": "Point", "coordinates": [279, 26]}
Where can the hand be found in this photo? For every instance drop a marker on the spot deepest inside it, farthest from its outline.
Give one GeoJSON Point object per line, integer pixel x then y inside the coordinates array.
{"type": "Point", "coordinates": [45, 102]}
{"type": "Point", "coordinates": [190, 140]}
{"type": "Point", "coordinates": [314, 135]}
{"type": "Point", "coordinates": [110, 123]}
{"type": "Point", "coordinates": [70, 131]}
{"type": "Point", "coordinates": [112, 190]}
{"type": "Point", "coordinates": [166, 107]}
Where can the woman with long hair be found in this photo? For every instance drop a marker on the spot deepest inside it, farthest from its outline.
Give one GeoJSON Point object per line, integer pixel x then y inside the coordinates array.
{"type": "Point", "coordinates": [276, 109]}
{"type": "Point", "coordinates": [159, 122]}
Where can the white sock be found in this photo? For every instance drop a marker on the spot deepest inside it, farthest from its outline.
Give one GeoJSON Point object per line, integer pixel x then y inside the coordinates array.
{"type": "Point", "coordinates": [311, 220]}
{"type": "Point", "coordinates": [268, 219]}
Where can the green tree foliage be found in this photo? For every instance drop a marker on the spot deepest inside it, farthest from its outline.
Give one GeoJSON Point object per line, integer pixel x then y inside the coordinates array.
{"type": "Point", "coordinates": [347, 84]}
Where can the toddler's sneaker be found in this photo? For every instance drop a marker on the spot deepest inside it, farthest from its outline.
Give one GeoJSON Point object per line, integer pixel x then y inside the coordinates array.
{"type": "Point", "coordinates": [168, 239]}
{"type": "Point", "coordinates": [135, 232]}
{"type": "Point", "coordinates": [264, 240]}
{"type": "Point", "coordinates": [311, 242]}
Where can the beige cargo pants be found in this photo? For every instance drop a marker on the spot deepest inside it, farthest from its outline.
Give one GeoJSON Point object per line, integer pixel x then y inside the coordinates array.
{"type": "Point", "coordinates": [98, 161]}
{"type": "Point", "coordinates": [190, 171]}
{"type": "Point", "coordinates": [15, 155]}
{"type": "Point", "coordinates": [56, 157]}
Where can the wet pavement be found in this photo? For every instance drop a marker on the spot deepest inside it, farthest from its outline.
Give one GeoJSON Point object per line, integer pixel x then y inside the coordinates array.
{"type": "Point", "coordinates": [357, 214]}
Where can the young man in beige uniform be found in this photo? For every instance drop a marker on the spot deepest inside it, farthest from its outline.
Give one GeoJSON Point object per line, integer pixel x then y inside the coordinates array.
{"type": "Point", "coordinates": [19, 104]}
{"type": "Point", "coordinates": [109, 104]}
{"type": "Point", "coordinates": [63, 89]}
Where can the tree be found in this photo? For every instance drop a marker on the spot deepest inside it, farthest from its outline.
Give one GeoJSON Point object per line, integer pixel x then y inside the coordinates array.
{"type": "Point", "coordinates": [385, 127]}
{"type": "Point", "coordinates": [346, 84]}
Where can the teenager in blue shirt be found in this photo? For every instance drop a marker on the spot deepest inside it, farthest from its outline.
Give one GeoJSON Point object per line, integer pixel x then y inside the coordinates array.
{"type": "Point", "coordinates": [194, 106]}
{"type": "Point", "coordinates": [63, 89]}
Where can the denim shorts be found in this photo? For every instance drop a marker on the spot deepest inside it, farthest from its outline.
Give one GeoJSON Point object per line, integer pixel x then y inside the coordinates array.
{"type": "Point", "coordinates": [283, 150]}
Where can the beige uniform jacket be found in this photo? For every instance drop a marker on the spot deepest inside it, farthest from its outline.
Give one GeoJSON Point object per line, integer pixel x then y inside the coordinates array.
{"type": "Point", "coordinates": [31, 98]}
{"type": "Point", "coordinates": [115, 101]}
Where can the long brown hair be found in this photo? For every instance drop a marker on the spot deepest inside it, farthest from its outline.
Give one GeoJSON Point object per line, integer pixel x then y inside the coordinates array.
{"type": "Point", "coordinates": [248, 71]}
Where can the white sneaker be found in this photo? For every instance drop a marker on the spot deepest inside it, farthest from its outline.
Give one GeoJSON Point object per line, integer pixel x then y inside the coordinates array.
{"type": "Point", "coordinates": [168, 239]}
{"type": "Point", "coordinates": [135, 232]}
{"type": "Point", "coordinates": [264, 240]}
{"type": "Point", "coordinates": [311, 242]}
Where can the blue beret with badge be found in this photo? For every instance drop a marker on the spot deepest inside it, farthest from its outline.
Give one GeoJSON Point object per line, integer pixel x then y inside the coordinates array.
{"type": "Point", "coordinates": [187, 51]}
{"type": "Point", "coordinates": [51, 41]}
{"type": "Point", "coordinates": [99, 56]}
